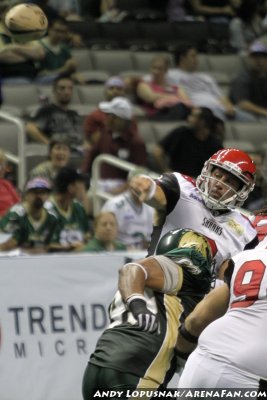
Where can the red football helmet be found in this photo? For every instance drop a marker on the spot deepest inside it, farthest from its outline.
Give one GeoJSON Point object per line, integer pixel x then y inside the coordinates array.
{"type": "Point", "coordinates": [238, 164]}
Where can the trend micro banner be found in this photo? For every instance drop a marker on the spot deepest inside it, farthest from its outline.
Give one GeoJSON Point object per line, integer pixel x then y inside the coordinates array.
{"type": "Point", "coordinates": [52, 311]}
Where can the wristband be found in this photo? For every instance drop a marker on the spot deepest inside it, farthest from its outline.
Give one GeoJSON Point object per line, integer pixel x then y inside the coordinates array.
{"type": "Point", "coordinates": [152, 189]}
{"type": "Point", "coordinates": [135, 296]}
{"type": "Point", "coordinates": [136, 265]}
{"type": "Point", "coordinates": [187, 335]}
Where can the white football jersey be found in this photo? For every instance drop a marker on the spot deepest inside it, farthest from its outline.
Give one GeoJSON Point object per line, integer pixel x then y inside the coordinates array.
{"type": "Point", "coordinates": [239, 337]}
{"type": "Point", "coordinates": [135, 223]}
{"type": "Point", "coordinates": [228, 232]}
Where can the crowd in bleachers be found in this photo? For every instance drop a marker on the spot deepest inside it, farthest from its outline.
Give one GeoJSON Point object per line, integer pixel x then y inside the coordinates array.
{"type": "Point", "coordinates": [129, 79]}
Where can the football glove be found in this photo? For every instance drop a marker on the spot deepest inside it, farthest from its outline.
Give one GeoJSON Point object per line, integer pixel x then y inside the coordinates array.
{"type": "Point", "coordinates": [146, 320]}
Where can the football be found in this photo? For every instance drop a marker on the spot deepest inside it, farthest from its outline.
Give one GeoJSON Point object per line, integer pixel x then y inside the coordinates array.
{"type": "Point", "coordinates": [26, 22]}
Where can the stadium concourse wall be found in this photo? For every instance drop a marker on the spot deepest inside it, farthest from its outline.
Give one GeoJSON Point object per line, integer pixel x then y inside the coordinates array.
{"type": "Point", "coordinates": [53, 308]}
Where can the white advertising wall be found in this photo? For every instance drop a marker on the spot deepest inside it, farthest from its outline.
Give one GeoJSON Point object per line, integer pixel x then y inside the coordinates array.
{"type": "Point", "coordinates": [53, 308]}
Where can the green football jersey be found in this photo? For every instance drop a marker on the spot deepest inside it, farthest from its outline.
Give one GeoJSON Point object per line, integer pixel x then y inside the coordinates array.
{"type": "Point", "coordinates": [73, 225]}
{"type": "Point", "coordinates": [26, 231]}
{"type": "Point", "coordinates": [96, 245]}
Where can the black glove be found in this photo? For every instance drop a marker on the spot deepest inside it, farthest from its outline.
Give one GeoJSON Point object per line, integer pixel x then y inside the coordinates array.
{"type": "Point", "coordinates": [146, 320]}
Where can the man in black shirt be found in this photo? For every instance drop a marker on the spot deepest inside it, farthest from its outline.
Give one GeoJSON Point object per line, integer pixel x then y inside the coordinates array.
{"type": "Point", "coordinates": [57, 118]}
{"type": "Point", "coordinates": [186, 148]}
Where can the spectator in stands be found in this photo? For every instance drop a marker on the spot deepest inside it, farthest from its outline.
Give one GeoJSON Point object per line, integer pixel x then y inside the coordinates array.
{"type": "Point", "coordinates": [249, 89]}
{"type": "Point", "coordinates": [94, 123]}
{"type": "Point", "coordinates": [105, 234]}
{"type": "Point", "coordinates": [135, 219]}
{"type": "Point", "coordinates": [58, 118]}
{"type": "Point", "coordinates": [257, 198]}
{"type": "Point", "coordinates": [246, 26]}
{"type": "Point", "coordinates": [68, 9]}
{"type": "Point", "coordinates": [176, 10]}
{"type": "Point", "coordinates": [186, 148]}
{"type": "Point", "coordinates": [110, 12]}
{"type": "Point", "coordinates": [8, 194]}
{"type": "Point", "coordinates": [31, 226]}
{"type": "Point", "coordinates": [73, 222]}
{"type": "Point", "coordinates": [120, 138]}
{"type": "Point", "coordinates": [59, 157]}
{"type": "Point", "coordinates": [57, 58]}
{"type": "Point", "coordinates": [201, 88]}
{"type": "Point", "coordinates": [220, 11]}
{"type": "Point", "coordinates": [160, 99]}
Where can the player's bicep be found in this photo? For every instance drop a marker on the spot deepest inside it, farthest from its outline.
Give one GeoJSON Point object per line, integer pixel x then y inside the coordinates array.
{"type": "Point", "coordinates": [163, 274]}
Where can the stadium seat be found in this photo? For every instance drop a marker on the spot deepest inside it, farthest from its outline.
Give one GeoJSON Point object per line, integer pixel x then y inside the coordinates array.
{"type": "Point", "coordinates": [124, 33]}
{"type": "Point", "coordinates": [94, 76]}
{"type": "Point", "coordinates": [254, 133]}
{"type": "Point", "coordinates": [195, 32]}
{"type": "Point", "coordinates": [228, 131]}
{"type": "Point", "coordinates": [9, 137]}
{"type": "Point", "coordinates": [83, 58]}
{"type": "Point", "coordinates": [147, 132]}
{"type": "Point", "coordinates": [89, 30]}
{"type": "Point", "coordinates": [240, 144]}
{"type": "Point", "coordinates": [19, 96]}
{"type": "Point", "coordinates": [229, 64]}
{"type": "Point", "coordinates": [162, 129]}
{"type": "Point", "coordinates": [112, 61]}
{"type": "Point", "coordinates": [203, 64]}
{"type": "Point", "coordinates": [35, 153]}
{"type": "Point", "coordinates": [91, 94]}
{"type": "Point", "coordinates": [15, 111]}
{"type": "Point", "coordinates": [161, 33]}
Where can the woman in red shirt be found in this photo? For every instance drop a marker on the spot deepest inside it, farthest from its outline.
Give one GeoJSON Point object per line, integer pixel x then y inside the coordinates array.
{"type": "Point", "coordinates": [161, 100]}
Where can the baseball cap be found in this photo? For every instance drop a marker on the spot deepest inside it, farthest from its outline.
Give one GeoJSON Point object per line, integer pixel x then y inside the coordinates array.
{"type": "Point", "coordinates": [38, 183]}
{"type": "Point", "coordinates": [115, 81]}
{"type": "Point", "coordinates": [258, 47]}
{"type": "Point", "coordinates": [119, 106]}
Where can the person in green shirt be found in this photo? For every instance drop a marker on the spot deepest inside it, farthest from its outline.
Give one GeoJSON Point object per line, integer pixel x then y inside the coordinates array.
{"type": "Point", "coordinates": [105, 234]}
{"type": "Point", "coordinates": [30, 225]}
{"type": "Point", "coordinates": [73, 222]}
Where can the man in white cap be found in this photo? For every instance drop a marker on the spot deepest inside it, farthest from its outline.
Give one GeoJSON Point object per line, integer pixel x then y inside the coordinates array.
{"type": "Point", "coordinates": [30, 225]}
{"type": "Point", "coordinates": [119, 138]}
{"type": "Point", "coordinates": [94, 123]}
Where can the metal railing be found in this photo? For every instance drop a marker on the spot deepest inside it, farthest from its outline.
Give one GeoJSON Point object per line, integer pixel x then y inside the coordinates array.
{"type": "Point", "coordinates": [18, 159]}
{"type": "Point", "coordinates": [99, 195]}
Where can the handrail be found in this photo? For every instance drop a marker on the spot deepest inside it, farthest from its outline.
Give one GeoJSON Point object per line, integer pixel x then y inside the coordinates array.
{"type": "Point", "coordinates": [20, 158]}
{"type": "Point", "coordinates": [97, 194]}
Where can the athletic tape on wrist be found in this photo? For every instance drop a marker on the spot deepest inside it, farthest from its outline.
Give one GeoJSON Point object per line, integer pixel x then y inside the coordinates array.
{"type": "Point", "coordinates": [152, 189]}
{"type": "Point", "coordinates": [187, 335]}
{"type": "Point", "coordinates": [137, 265]}
{"type": "Point", "coordinates": [135, 296]}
